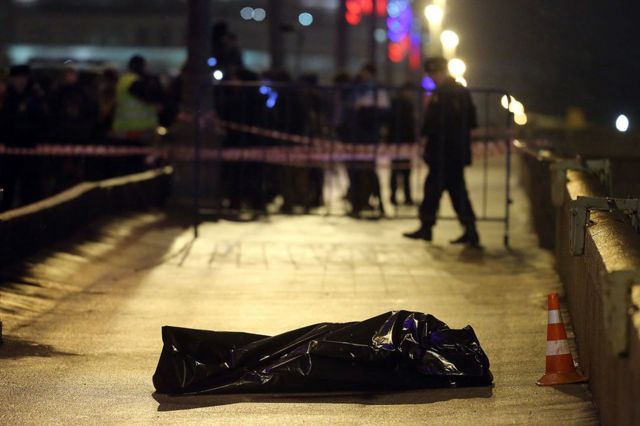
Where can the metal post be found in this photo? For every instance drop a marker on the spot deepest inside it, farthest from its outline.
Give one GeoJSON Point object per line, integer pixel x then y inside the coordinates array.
{"type": "Point", "coordinates": [7, 33]}
{"type": "Point", "coordinates": [276, 39]}
{"type": "Point", "coordinates": [342, 37]}
{"type": "Point", "coordinates": [373, 24]}
{"type": "Point", "coordinates": [195, 84]}
{"type": "Point", "coordinates": [508, 179]}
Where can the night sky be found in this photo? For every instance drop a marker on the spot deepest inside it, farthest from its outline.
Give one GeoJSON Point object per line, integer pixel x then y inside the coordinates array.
{"type": "Point", "coordinates": [564, 52]}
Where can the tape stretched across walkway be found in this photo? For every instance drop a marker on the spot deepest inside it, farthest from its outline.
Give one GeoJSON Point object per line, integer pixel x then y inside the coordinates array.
{"type": "Point", "coordinates": [306, 151]}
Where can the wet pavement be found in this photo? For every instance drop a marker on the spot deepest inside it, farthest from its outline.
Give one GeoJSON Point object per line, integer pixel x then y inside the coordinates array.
{"type": "Point", "coordinates": [82, 320]}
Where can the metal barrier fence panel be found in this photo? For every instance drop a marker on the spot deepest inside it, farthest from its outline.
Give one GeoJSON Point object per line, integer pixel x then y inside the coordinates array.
{"type": "Point", "coordinates": [348, 149]}
{"type": "Point", "coordinates": [331, 150]}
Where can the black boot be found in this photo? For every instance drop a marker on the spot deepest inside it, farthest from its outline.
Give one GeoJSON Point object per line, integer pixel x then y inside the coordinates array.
{"type": "Point", "coordinates": [470, 237]}
{"type": "Point", "coordinates": [423, 233]}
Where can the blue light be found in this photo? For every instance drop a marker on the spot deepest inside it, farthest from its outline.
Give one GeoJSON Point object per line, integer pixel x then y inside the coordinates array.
{"type": "Point", "coordinates": [264, 90]}
{"type": "Point", "coordinates": [212, 62]}
{"type": "Point", "coordinates": [393, 10]}
{"type": "Point", "coordinates": [428, 84]}
{"type": "Point", "coordinates": [271, 101]}
{"type": "Point", "coordinates": [305, 19]}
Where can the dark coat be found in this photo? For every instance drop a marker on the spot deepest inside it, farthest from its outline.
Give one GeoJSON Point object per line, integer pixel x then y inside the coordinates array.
{"type": "Point", "coordinates": [23, 117]}
{"type": "Point", "coordinates": [448, 121]}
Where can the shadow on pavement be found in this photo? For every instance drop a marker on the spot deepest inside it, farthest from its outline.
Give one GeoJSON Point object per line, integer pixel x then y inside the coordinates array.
{"type": "Point", "coordinates": [14, 348]}
{"type": "Point", "coordinates": [578, 391]}
{"type": "Point", "coordinates": [422, 396]}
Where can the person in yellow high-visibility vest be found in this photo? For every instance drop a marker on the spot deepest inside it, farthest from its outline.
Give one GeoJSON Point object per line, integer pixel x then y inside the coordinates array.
{"type": "Point", "coordinates": [137, 97]}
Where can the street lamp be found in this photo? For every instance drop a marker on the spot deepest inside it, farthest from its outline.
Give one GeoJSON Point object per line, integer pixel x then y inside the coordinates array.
{"type": "Point", "coordinates": [434, 15]}
{"type": "Point", "coordinates": [457, 67]}
{"type": "Point", "coordinates": [622, 123]}
{"type": "Point", "coordinates": [520, 119]}
{"type": "Point", "coordinates": [450, 42]}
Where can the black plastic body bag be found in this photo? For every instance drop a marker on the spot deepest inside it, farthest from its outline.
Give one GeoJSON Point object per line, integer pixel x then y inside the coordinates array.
{"type": "Point", "coordinates": [392, 351]}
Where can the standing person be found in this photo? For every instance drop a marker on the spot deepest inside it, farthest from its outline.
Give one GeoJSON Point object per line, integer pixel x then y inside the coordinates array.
{"type": "Point", "coordinates": [402, 129]}
{"type": "Point", "coordinates": [138, 97]}
{"type": "Point", "coordinates": [74, 114]}
{"type": "Point", "coordinates": [23, 123]}
{"type": "Point", "coordinates": [371, 105]}
{"type": "Point", "coordinates": [448, 121]}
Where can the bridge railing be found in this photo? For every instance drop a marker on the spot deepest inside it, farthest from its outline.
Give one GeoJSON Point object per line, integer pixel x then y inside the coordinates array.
{"type": "Point", "coordinates": [603, 284]}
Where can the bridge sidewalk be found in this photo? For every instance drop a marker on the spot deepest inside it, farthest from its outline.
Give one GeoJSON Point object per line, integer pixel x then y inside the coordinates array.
{"type": "Point", "coordinates": [83, 321]}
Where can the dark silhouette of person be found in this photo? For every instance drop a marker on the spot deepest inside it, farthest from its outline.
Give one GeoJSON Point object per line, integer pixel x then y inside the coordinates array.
{"type": "Point", "coordinates": [448, 121]}
{"type": "Point", "coordinates": [224, 47]}
{"type": "Point", "coordinates": [402, 129]}
{"type": "Point", "coordinates": [371, 105]}
{"type": "Point", "coordinates": [23, 122]}
{"type": "Point", "coordinates": [74, 114]}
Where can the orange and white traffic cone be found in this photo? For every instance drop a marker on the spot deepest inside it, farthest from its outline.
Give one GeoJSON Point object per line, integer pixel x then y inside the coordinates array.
{"type": "Point", "coordinates": [560, 366]}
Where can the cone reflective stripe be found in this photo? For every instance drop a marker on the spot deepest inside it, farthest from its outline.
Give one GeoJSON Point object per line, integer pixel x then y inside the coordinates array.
{"type": "Point", "coordinates": [560, 366]}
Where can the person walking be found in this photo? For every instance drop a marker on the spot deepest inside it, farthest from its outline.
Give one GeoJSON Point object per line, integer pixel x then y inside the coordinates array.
{"type": "Point", "coordinates": [447, 125]}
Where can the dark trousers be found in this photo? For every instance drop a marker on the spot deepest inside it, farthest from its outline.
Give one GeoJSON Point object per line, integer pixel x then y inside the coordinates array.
{"type": "Point", "coordinates": [401, 170]}
{"type": "Point", "coordinates": [450, 178]}
{"type": "Point", "coordinates": [363, 182]}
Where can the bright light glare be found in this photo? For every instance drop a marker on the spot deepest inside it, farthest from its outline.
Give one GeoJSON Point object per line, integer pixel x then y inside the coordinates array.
{"type": "Point", "coordinates": [622, 123]}
{"type": "Point", "coordinates": [218, 75]}
{"type": "Point", "coordinates": [259, 14]}
{"type": "Point", "coordinates": [504, 101]}
{"type": "Point", "coordinates": [462, 81]}
{"type": "Point", "coordinates": [516, 107]}
{"type": "Point", "coordinates": [305, 19]}
{"type": "Point", "coordinates": [457, 67]}
{"type": "Point", "coordinates": [246, 13]}
{"type": "Point", "coordinates": [520, 119]}
{"type": "Point", "coordinates": [161, 130]}
{"type": "Point", "coordinates": [434, 14]}
{"type": "Point", "coordinates": [449, 39]}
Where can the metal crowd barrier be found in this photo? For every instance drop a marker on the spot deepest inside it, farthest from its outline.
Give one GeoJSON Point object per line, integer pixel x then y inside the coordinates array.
{"type": "Point", "coordinates": [284, 147]}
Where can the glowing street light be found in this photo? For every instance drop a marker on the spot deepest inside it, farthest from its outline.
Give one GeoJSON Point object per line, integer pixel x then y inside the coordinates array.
{"type": "Point", "coordinates": [506, 101]}
{"type": "Point", "coordinates": [450, 42]}
{"type": "Point", "coordinates": [516, 107]}
{"type": "Point", "coordinates": [622, 123]}
{"type": "Point", "coordinates": [520, 119]}
{"type": "Point", "coordinates": [434, 15]}
{"type": "Point", "coordinates": [457, 67]}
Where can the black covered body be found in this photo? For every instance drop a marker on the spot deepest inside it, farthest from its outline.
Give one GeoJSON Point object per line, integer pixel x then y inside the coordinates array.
{"type": "Point", "coordinates": [395, 350]}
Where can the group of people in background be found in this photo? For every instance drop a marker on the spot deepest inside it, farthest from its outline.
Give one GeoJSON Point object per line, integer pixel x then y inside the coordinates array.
{"type": "Point", "coordinates": [76, 106]}
{"type": "Point", "coordinates": [69, 106]}
{"type": "Point", "coordinates": [354, 110]}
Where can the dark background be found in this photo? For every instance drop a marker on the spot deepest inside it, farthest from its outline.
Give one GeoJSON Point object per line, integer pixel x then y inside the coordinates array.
{"type": "Point", "coordinates": [555, 54]}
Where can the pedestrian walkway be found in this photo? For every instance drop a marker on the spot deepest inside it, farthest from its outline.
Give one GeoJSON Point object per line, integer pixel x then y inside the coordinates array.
{"type": "Point", "coordinates": [82, 322]}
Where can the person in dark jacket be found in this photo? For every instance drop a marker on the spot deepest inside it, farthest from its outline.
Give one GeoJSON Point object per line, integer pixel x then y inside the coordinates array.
{"type": "Point", "coordinates": [448, 121]}
{"type": "Point", "coordinates": [74, 114]}
{"type": "Point", "coordinates": [23, 124]}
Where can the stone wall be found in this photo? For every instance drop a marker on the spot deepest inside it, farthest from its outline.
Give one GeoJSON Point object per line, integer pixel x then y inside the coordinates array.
{"type": "Point", "coordinates": [25, 229]}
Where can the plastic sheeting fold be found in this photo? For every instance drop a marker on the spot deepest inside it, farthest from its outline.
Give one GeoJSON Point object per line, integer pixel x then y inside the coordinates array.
{"type": "Point", "coordinates": [392, 351]}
